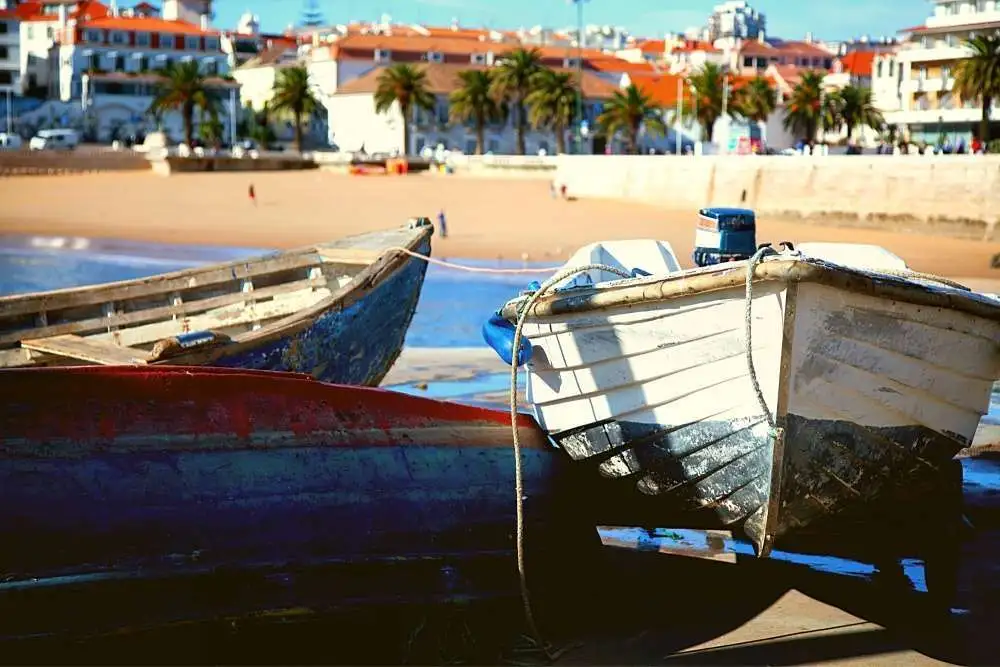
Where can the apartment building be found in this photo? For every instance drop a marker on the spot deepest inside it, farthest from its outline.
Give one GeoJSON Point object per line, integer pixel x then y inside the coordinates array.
{"type": "Point", "coordinates": [10, 58]}
{"type": "Point", "coordinates": [923, 72]}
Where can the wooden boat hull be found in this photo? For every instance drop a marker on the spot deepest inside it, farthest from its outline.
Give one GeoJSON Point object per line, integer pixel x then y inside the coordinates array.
{"type": "Point", "coordinates": [142, 477]}
{"type": "Point", "coordinates": [338, 311]}
{"type": "Point", "coordinates": [876, 383]}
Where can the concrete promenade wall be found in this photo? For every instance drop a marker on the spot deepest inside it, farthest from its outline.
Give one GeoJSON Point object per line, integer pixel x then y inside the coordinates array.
{"type": "Point", "coordinates": [956, 195]}
{"type": "Point", "coordinates": [38, 163]}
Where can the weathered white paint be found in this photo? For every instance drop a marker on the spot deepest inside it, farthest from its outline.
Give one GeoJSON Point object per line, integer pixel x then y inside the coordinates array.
{"type": "Point", "coordinates": [671, 362]}
{"type": "Point", "coordinates": [879, 362]}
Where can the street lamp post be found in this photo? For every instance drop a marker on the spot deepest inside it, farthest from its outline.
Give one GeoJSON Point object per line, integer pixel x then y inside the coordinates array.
{"type": "Point", "coordinates": [578, 138]}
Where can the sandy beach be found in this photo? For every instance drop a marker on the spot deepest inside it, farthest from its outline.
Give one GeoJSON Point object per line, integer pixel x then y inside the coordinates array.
{"type": "Point", "coordinates": [502, 218]}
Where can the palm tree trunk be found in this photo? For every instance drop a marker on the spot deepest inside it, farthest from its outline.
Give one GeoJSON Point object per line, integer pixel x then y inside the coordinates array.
{"type": "Point", "coordinates": [522, 147]}
{"type": "Point", "coordinates": [480, 134]}
{"type": "Point", "coordinates": [709, 128]}
{"type": "Point", "coordinates": [850, 129]}
{"type": "Point", "coordinates": [188, 111]}
{"type": "Point", "coordinates": [560, 140]}
{"type": "Point", "coordinates": [405, 110]}
{"type": "Point", "coordinates": [298, 132]}
{"type": "Point", "coordinates": [984, 123]}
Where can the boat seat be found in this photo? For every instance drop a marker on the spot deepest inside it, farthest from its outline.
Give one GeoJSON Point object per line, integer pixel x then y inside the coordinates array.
{"type": "Point", "coordinates": [87, 349]}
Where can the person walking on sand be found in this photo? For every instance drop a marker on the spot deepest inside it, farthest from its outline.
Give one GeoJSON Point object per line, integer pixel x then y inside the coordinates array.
{"type": "Point", "coordinates": [253, 194]}
{"type": "Point", "coordinates": [442, 224]}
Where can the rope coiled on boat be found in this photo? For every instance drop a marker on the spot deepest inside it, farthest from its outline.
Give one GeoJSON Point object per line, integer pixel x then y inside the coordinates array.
{"type": "Point", "coordinates": [522, 317]}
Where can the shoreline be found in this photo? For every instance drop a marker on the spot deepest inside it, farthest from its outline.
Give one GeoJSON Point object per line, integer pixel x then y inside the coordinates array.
{"type": "Point", "coordinates": [487, 219]}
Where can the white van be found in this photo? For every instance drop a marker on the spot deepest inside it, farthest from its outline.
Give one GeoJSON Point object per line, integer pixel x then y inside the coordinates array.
{"type": "Point", "coordinates": [54, 140]}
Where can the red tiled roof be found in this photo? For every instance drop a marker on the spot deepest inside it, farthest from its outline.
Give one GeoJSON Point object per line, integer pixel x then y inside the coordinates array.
{"type": "Point", "coordinates": [612, 64]}
{"type": "Point", "coordinates": [442, 79]}
{"type": "Point", "coordinates": [653, 46]}
{"type": "Point", "coordinates": [147, 24]}
{"type": "Point", "coordinates": [858, 63]}
{"type": "Point", "coordinates": [662, 88]}
{"type": "Point", "coordinates": [756, 48]}
{"type": "Point", "coordinates": [692, 45]}
{"type": "Point", "coordinates": [33, 10]}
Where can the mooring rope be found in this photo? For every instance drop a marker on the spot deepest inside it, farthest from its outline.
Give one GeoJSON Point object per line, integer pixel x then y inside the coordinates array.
{"type": "Point", "coordinates": [518, 474]}
{"type": "Point", "coordinates": [473, 269]}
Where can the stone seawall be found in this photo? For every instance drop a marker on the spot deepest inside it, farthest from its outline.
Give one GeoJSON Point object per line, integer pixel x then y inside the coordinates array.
{"type": "Point", "coordinates": [47, 163]}
{"type": "Point", "coordinates": [955, 195]}
{"type": "Point", "coordinates": [165, 166]}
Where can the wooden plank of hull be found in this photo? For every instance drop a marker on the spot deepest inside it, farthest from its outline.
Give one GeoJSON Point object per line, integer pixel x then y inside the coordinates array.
{"type": "Point", "coordinates": [875, 394]}
{"type": "Point", "coordinates": [186, 468]}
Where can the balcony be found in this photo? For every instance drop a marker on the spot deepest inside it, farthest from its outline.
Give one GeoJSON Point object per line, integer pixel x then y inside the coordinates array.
{"type": "Point", "coordinates": [959, 115]}
{"type": "Point", "coordinates": [928, 85]}
{"type": "Point", "coordinates": [940, 51]}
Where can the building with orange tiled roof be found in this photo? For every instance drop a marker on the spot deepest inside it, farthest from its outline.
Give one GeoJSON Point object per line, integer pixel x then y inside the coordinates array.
{"type": "Point", "coordinates": [755, 56]}
{"type": "Point", "coordinates": [354, 122]}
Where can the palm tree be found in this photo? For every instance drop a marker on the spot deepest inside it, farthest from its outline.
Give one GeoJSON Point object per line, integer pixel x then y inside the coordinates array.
{"type": "Point", "coordinates": [806, 109]}
{"type": "Point", "coordinates": [978, 76]}
{"type": "Point", "coordinates": [756, 101]}
{"type": "Point", "coordinates": [406, 86]}
{"type": "Point", "coordinates": [856, 109]}
{"type": "Point", "coordinates": [552, 103]}
{"type": "Point", "coordinates": [512, 83]}
{"type": "Point", "coordinates": [293, 94]}
{"type": "Point", "coordinates": [710, 92]}
{"type": "Point", "coordinates": [474, 102]}
{"type": "Point", "coordinates": [627, 112]}
{"type": "Point", "coordinates": [182, 88]}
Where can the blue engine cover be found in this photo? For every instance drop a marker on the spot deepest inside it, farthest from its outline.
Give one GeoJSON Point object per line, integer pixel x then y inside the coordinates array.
{"type": "Point", "coordinates": [499, 334]}
{"type": "Point", "coordinates": [724, 234]}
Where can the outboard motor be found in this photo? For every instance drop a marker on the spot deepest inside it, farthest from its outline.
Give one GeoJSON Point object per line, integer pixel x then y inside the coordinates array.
{"type": "Point", "coordinates": [724, 235]}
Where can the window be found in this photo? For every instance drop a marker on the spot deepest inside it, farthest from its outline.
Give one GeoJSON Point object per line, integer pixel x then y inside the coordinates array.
{"type": "Point", "coordinates": [142, 63]}
{"type": "Point", "coordinates": [382, 55]}
{"type": "Point", "coordinates": [828, 63]}
{"type": "Point", "coordinates": [93, 36]}
{"type": "Point", "coordinates": [50, 32]}
{"type": "Point", "coordinates": [572, 62]}
{"type": "Point", "coordinates": [442, 113]}
{"type": "Point", "coordinates": [31, 32]}
{"type": "Point", "coordinates": [435, 57]}
{"type": "Point", "coordinates": [211, 67]}
{"type": "Point", "coordinates": [951, 40]}
{"type": "Point", "coordinates": [6, 77]}
{"type": "Point", "coordinates": [118, 37]}
{"type": "Point", "coordinates": [478, 59]}
{"type": "Point", "coordinates": [142, 39]}
{"type": "Point", "coordinates": [892, 68]}
{"type": "Point", "coordinates": [94, 61]}
{"type": "Point", "coordinates": [761, 63]}
{"type": "Point", "coordinates": [945, 72]}
{"type": "Point", "coordinates": [925, 42]}
{"type": "Point", "coordinates": [494, 146]}
{"type": "Point", "coordinates": [4, 27]}
{"type": "Point", "coordinates": [211, 43]}
{"type": "Point", "coordinates": [118, 63]}
{"type": "Point", "coordinates": [922, 73]}
{"type": "Point", "coordinates": [3, 52]}
{"type": "Point", "coordinates": [166, 41]}
{"type": "Point", "coordinates": [470, 146]}
{"type": "Point", "coordinates": [878, 69]}
{"type": "Point", "coordinates": [192, 43]}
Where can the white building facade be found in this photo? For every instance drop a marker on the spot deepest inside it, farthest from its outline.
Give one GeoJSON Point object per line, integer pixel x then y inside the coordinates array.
{"type": "Point", "coordinates": [925, 108]}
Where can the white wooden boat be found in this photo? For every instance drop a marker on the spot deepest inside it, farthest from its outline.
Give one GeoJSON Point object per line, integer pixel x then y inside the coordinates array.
{"type": "Point", "coordinates": [338, 311]}
{"type": "Point", "coordinates": [870, 381]}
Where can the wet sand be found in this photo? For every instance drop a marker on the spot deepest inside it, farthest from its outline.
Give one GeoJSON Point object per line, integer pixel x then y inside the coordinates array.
{"type": "Point", "coordinates": [506, 218]}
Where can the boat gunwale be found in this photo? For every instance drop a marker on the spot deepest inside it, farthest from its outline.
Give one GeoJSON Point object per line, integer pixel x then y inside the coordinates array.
{"type": "Point", "coordinates": [787, 271]}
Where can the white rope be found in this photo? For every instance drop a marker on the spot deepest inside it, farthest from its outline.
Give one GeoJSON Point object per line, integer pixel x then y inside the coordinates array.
{"type": "Point", "coordinates": [518, 474]}
{"type": "Point", "coordinates": [472, 269]}
{"type": "Point", "coordinates": [748, 324]}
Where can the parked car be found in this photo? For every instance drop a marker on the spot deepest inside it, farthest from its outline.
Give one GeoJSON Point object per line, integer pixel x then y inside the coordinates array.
{"type": "Point", "coordinates": [10, 142]}
{"type": "Point", "coordinates": [54, 140]}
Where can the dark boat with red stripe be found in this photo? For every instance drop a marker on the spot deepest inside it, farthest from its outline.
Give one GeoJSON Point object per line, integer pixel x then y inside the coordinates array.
{"type": "Point", "coordinates": [178, 493]}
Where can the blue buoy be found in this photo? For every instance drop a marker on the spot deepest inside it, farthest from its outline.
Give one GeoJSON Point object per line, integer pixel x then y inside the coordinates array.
{"type": "Point", "coordinates": [499, 334]}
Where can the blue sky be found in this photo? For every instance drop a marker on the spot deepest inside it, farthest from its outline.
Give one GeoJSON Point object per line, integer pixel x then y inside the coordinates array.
{"type": "Point", "coordinates": [827, 19]}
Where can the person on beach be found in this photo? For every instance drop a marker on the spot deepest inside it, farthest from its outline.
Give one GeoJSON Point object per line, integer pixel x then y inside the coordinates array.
{"type": "Point", "coordinates": [442, 224]}
{"type": "Point", "coordinates": [252, 194]}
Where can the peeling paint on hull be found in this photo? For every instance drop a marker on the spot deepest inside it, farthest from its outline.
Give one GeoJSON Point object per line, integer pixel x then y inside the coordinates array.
{"type": "Point", "coordinates": [355, 345]}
